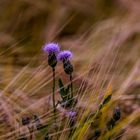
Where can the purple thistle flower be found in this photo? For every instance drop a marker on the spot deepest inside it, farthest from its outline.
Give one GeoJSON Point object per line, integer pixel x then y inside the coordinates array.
{"type": "Point", "coordinates": [64, 55]}
{"type": "Point", "coordinates": [72, 114]}
{"type": "Point", "coordinates": [51, 48]}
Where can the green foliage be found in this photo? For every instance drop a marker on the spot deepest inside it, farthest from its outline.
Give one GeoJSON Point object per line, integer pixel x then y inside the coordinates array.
{"type": "Point", "coordinates": [64, 91]}
{"type": "Point", "coordinates": [105, 101]}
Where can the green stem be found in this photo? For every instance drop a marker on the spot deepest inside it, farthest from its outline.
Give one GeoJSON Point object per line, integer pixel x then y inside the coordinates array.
{"type": "Point", "coordinates": [71, 85]}
{"type": "Point", "coordinates": [54, 106]}
{"type": "Point", "coordinates": [53, 98]}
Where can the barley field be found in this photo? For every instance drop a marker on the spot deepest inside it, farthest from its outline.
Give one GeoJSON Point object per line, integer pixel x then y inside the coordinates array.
{"type": "Point", "coordinates": [69, 70]}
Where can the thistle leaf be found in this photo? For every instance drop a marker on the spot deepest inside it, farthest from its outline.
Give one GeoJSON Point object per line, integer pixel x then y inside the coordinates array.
{"type": "Point", "coordinates": [62, 88]}
{"type": "Point", "coordinates": [107, 99]}
{"type": "Point", "coordinates": [67, 90]}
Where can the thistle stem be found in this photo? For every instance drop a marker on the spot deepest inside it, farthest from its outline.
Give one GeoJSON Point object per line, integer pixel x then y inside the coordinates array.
{"type": "Point", "coordinates": [53, 96]}
{"type": "Point", "coordinates": [30, 131]}
{"type": "Point", "coordinates": [71, 85]}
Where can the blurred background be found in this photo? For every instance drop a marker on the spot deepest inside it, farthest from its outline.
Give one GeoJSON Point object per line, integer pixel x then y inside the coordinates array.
{"type": "Point", "coordinates": [104, 36]}
{"type": "Point", "coordinates": [26, 25]}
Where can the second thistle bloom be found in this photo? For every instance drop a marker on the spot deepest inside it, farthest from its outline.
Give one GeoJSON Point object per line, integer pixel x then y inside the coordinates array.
{"type": "Point", "coordinates": [65, 57]}
{"type": "Point", "coordinates": [52, 49]}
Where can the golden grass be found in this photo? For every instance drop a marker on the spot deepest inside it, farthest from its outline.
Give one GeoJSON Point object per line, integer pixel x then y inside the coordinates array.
{"type": "Point", "coordinates": [105, 41]}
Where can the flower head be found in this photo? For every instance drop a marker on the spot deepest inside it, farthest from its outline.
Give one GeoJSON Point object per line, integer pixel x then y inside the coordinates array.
{"type": "Point", "coordinates": [64, 55]}
{"type": "Point", "coordinates": [51, 48]}
{"type": "Point", "coordinates": [72, 114]}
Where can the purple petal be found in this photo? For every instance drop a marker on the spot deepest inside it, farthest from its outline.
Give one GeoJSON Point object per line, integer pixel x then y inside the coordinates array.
{"type": "Point", "coordinates": [72, 114]}
{"type": "Point", "coordinates": [65, 55]}
{"type": "Point", "coordinates": [51, 48]}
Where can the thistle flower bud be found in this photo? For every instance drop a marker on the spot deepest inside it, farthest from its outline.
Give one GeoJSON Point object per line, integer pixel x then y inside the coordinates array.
{"type": "Point", "coordinates": [25, 120]}
{"type": "Point", "coordinates": [52, 50]}
{"type": "Point", "coordinates": [65, 57]}
{"type": "Point", "coordinates": [52, 60]}
{"type": "Point", "coordinates": [117, 114]}
{"type": "Point", "coordinates": [68, 68]}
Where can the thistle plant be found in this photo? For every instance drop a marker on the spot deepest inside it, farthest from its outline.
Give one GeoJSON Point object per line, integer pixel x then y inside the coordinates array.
{"type": "Point", "coordinates": [64, 57]}
{"type": "Point", "coordinates": [52, 49]}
